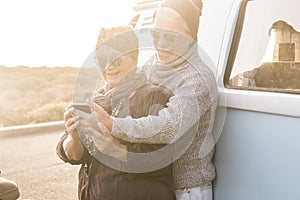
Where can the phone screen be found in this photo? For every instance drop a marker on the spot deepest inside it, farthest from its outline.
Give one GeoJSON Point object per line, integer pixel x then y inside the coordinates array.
{"type": "Point", "coordinates": [82, 106]}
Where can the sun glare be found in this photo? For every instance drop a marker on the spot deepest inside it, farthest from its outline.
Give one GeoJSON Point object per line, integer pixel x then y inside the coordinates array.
{"type": "Point", "coordinates": [56, 32]}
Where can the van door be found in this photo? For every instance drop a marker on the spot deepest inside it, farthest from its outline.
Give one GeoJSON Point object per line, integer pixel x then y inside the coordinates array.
{"type": "Point", "coordinates": [257, 153]}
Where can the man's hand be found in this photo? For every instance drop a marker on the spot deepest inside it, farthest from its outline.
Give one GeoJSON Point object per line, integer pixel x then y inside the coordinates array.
{"type": "Point", "coordinates": [106, 143]}
{"type": "Point", "coordinates": [86, 120]}
{"type": "Point", "coordinates": [103, 117]}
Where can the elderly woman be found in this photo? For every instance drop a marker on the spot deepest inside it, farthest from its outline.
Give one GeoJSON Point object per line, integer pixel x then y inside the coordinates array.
{"type": "Point", "coordinates": [125, 92]}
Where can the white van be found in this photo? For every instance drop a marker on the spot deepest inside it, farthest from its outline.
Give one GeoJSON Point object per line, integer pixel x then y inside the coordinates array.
{"type": "Point", "coordinates": [255, 47]}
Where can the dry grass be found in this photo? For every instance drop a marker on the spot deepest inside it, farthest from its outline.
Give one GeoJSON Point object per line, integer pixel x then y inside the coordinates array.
{"type": "Point", "coordinates": [34, 95]}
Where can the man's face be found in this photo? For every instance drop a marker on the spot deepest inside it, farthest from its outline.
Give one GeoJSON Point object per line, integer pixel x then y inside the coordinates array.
{"type": "Point", "coordinates": [170, 37]}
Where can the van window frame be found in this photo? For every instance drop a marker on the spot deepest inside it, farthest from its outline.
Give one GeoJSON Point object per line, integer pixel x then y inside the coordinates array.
{"type": "Point", "coordinates": [232, 56]}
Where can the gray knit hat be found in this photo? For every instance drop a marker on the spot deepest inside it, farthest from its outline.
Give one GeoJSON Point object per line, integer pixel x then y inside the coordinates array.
{"type": "Point", "coordinates": [190, 10]}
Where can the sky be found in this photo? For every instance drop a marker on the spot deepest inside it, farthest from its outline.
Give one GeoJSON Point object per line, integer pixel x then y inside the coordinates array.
{"type": "Point", "coordinates": [56, 32]}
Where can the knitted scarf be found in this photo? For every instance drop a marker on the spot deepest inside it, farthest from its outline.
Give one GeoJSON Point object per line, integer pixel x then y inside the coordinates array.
{"type": "Point", "coordinates": [161, 72]}
{"type": "Point", "coordinates": [108, 97]}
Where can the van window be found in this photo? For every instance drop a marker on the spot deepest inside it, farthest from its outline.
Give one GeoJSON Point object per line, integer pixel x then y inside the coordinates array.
{"type": "Point", "coordinates": [268, 54]}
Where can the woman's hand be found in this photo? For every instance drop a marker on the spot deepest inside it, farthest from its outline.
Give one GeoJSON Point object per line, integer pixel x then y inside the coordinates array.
{"type": "Point", "coordinates": [72, 144]}
{"type": "Point", "coordinates": [71, 121]}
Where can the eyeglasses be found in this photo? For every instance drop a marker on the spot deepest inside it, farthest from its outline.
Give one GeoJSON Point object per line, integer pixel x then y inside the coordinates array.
{"type": "Point", "coordinates": [168, 36]}
{"type": "Point", "coordinates": [104, 62]}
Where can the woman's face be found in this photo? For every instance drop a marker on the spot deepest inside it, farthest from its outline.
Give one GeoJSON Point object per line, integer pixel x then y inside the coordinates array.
{"type": "Point", "coordinates": [114, 66]}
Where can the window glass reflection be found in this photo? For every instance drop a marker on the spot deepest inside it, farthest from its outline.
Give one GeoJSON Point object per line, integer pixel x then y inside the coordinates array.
{"type": "Point", "coordinates": [280, 64]}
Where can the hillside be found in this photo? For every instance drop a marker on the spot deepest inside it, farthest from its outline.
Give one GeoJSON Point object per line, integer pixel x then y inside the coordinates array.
{"type": "Point", "coordinates": [34, 95]}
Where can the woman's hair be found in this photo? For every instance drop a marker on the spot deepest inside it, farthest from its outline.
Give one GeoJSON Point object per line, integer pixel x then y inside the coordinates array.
{"type": "Point", "coordinates": [121, 38]}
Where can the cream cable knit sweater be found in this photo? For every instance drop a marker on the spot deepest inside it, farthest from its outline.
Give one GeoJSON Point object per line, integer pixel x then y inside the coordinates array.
{"type": "Point", "coordinates": [190, 112]}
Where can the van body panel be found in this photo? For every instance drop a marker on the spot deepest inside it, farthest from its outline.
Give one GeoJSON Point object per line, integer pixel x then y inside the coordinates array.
{"type": "Point", "coordinates": [257, 130]}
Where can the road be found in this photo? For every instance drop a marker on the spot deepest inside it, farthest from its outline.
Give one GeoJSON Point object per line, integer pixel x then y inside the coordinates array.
{"type": "Point", "coordinates": [31, 161]}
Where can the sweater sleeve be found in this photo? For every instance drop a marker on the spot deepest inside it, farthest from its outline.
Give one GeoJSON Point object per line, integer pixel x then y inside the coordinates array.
{"type": "Point", "coordinates": [148, 99]}
{"type": "Point", "coordinates": [190, 101]}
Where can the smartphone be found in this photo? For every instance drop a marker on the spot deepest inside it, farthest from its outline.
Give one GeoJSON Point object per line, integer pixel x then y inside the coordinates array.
{"type": "Point", "coordinates": [82, 106]}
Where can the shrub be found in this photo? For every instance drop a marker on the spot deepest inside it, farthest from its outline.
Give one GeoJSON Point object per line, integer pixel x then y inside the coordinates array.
{"type": "Point", "coordinates": [34, 95]}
